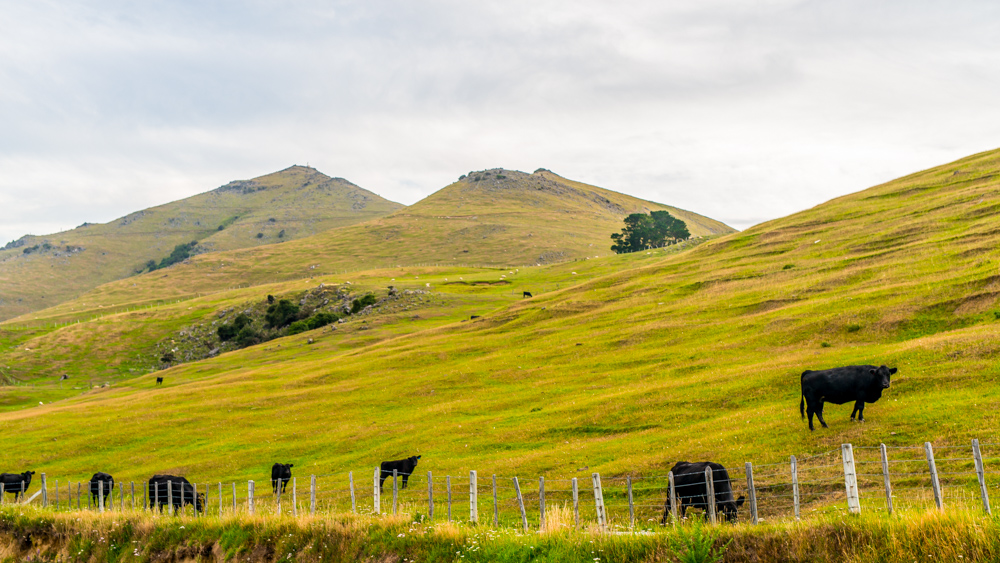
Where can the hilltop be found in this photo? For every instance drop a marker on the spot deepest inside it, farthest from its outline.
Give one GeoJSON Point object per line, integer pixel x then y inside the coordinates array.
{"type": "Point", "coordinates": [651, 359]}
{"type": "Point", "coordinates": [37, 272]}
{"type": "Point", "coordinates": [492, 217]}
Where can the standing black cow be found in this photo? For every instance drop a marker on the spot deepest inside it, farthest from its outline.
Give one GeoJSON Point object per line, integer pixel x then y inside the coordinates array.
{"type": "Point", "coordinates": [861, 384]}
{"type": "Point", "coordinates": [403, 467]}
{"type": "Point", "coordinates": [182, 493]}
{"type": "Point", "coordinates": [280, 473]}
{"type": "Point", "coordinates": [526, 295]}
{"type": "Point", "coordinates": [159, 380]}
{"type": "Point", "coordinates": [16, 483]}
{"type": "Point", "coordinates": [95, 487]}
{"type": "Point", "coordinates": [692, 490]}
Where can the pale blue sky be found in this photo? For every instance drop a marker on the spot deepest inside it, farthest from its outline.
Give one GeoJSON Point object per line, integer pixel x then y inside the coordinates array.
{"type": "Point", "coordinates": [742, 111]}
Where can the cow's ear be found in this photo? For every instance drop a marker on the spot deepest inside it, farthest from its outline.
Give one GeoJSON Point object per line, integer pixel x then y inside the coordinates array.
{"type": "Point", "coordinates": [418, 457]}
{"type": "Point", "coordinates": [892, 371]}
{"type": "Point", "coordinates": [290, 464]}
{"type": "Point", "coordinates": [739, 501]}
{"type": "Point", "coordinates": [871, 371]}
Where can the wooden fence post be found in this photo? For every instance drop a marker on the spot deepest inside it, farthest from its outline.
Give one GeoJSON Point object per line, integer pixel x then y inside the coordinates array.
{"type": "Point", "coordinates": [850, 479]}
{"type": "Point", "coordinates": [354, 502]}
{"type": "Point", "coordinates": [576, 504]}
{"type": "Point", "coordinates": [430, 496]}
{"type": "Point", "coordinates": [631, 506]}
{"type": "Point", "coordinates": [45, 492]}
{"type": "Point", "coordinates": [935, 484]}
{"type": "Point", "coordinates": [132, 495]}
{"type": "Point", "coordinates": [234, 498]}
{"type": "Point", "coordinates": [602, 517]}
{"type": "Point", "coordinates": [496, 507]}
{"type": "Point", "coordinates": [795, 487]}
{"type": "Point", "coordinates": [520, 502]}
{"type": "Point", "coordinates": [981, 474]}
{"type": "Point", "coordinates": [170, 497]}
{"type": "Point", "coordinates": [377, 495]}
{"type": "Point", "coordinates": [312, 493]}
{"type": "Point", "coordinates": [710, 497]}
{"type": "Point", "coordinates": [447, 483]}
{"type": "Point", "coordinates": [220, 499]}
{"type": "Point", "coordinates": [280, 486]}
{"type": "Point", "coordinates": [673, 497]}
{"type": "Point", "coordinates": [473, 498]}
{"type": "Point", "coordinates": [541, 503]}
{"type": "Point", "coordinates": [885, 477]}
{"type": "Point", "coordinates": [250, 485]}
{"type": "Point", "coordinates": [57, 494]}
{"type": "Point", "coordinates": [295, 503]}
{"type": "Point", "coordinates": [752, 490]}
{"type": "Point", "coordinates": [395, 492]}
{"type": "Point", "coordinates": [79, 505]}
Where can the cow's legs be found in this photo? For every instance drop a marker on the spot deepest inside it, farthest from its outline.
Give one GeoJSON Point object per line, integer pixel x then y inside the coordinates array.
{"type": "Point", "coordinates": [861, 411]}
{"type": "Point", "coordinates": [819, 415]}
{"type": "Point", "coordinates": [405, 477]}
{"type": "Point", "coordinates": [811, 412]}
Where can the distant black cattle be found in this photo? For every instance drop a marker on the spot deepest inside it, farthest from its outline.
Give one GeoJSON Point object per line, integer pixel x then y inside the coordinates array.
{"type": "Point", "coordinates": [280, 473]}
{"type": "Point", "coordinates": [182, 493]}
{"type": "Point", "coordinates": [63, 377]}
{"type": "Point", "coordinates": [159, 380]}
{"type": "Point", "coordinates": [474, 317]}
{"type": "Point", "coordinates": [95, 487]}
{"type": "Point", "coordinates": [692, 490]}
{"type": "Point", "coordinates": [270, 299]}
{"type": "Point", "coordinates": [16, 483]}
{"type": "Point", "coordinates": [526, 294]}
{"type": "Point", "coordinates": [403, 467]}
{"type": "Point", "coordinates": [861, 384]}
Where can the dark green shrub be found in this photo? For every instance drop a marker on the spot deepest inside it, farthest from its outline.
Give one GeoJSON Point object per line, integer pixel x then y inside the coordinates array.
{"type": "Point", "coordinates": [281, 233]}
{"type": "Point", "coordinates": [180, 253]}
{"type": "Point", "coordinates": [853, 328]}
{"type": "Point", "coordinates": [260, 235]}
{"type": "Point", "coordinates": [359, 304]}
{"type": "Point", "coordinates": [229, 331]}
{"type": "Point", "coordinates": [788, 266]}
{"type": "Point", "coordinates": [825, 344]}
{"type": "Point", "coordinates": [281, 314]}
{"type": "Point", "coordinates": [316, 321]}
{"type": "Point", "coordinates": [248, 337]}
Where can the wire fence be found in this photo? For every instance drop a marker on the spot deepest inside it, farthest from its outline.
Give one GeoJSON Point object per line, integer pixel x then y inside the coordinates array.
{"type": "Point", "coordinates": [879, 478]}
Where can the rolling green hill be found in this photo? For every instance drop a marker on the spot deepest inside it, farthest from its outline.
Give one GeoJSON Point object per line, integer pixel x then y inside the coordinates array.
{"type": "Point", "coordinates": [41, 271]}
{"type": "Point", "coordinates": [506, 218]}
{"type": "Point", "coordinates": [652, 359]}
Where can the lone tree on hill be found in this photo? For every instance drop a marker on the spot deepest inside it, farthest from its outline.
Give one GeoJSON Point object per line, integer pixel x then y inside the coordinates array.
{"type": "Point", "coordinates": [642, 231]}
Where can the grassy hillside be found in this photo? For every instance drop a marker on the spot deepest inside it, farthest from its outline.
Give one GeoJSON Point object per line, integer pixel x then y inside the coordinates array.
{"type": "Point", "coordinates": [506, 218]}
{"type": "Point", "coordinates": [690, 356]}
{"type": "Point", "coordinates": [41, 271]}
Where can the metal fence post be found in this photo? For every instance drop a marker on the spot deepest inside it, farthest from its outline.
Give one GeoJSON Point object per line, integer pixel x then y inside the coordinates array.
{"type": "Point", "coordinates": [935, 484]}
{"type": "Point", "coordinates": [430, 497]}
{"type": "Point", "coordinates": [710, 497]}
{"type": "Point", "coordinates": [602, 517]}
{"type": "Point", "coordinates": [520, 502]}
{"type": "Point", "coordinates": [576, 504]}
{"type": "Point", "coordinates": [541, 503]}
{"type": "Point", "coordinates": [981, 474]}
{"type": "Point", "coordinates": [673, 497]}
{"type": "Point", "coordinates": [850, 479]}
{"type": "Point", "coordinates": [885, 477]}
{"type": "Point", "coordinates": [354, 502]}
{"type": "Point", "coordinates": [795, 487]}
{"type": "Point", "coordinates": [752, 490]}
{"type": "Point", "coordinates": [473, 498]}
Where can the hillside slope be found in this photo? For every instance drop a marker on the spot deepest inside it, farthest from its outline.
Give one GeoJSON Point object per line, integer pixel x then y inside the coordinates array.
{"type": "Point", "coordinates": [691, 356]}
{"type": "Point", "coordinates": [42, 271]}
{"type": "Point", "coordinates": [506, 218]}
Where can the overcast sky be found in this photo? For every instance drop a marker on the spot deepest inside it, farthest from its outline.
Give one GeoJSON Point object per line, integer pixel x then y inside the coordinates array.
{"type": "Point", "coordinates": [742, 111]}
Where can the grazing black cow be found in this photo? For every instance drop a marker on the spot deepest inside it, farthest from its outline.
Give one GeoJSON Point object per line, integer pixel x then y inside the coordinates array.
{"type": "Point", "coordinates": [526, 294]}
{"type": "Point", "coordinates": [474, 317]}
{"type": "Point", "coordinates": [16, 483]}
{"type": "Point", "coordinates": [861, 384]}
{"type": "Point", "coordinates": [181, 493]}
{"type": "Point", "coordinates": [280, 473]}
{"type": "Point", "coordinates": [159, 380]}
{"type": "Point", "coordinates": [63, 377]}
{"type": "Point", "coordinates": [95, 487]}
{"type": "Point", "coordinates": [691, 490]}
{"type": "Point", "coordinates": [403, 467]}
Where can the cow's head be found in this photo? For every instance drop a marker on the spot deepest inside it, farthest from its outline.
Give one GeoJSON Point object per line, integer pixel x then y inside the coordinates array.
{"type": "Point", "coordinates": [882, 374]}
{"type": "Point", "coordinates": [729, 509]}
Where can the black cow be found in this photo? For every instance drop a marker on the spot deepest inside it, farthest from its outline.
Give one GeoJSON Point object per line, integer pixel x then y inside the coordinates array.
{"type": "Point", "coordinates": [280, 473]}
{"type": "Point", "coordinates": [403, 467]}
{"type": "Point", "coordinates": [16, 483]}
{"type": "Point", "coordinates": [182, 493]}
{"type": "Point", "coordinates": [95, 487]}
{"type": "Point", "coordinates": [861, 384]}
{"type": "Point", "coordinates": [526, 294]}
{"type": "Point", "coordinates": [159, 380]}
{"type": "Point", "coordinates": [692, 490]}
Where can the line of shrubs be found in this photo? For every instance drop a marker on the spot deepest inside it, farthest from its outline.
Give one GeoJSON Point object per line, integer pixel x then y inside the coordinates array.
{"type": "Point", "coordinates": [281, 314]}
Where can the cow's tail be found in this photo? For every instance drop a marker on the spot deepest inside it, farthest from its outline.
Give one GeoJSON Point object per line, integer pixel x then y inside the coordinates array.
{"type": "Point", "coordinates": [802, 406]}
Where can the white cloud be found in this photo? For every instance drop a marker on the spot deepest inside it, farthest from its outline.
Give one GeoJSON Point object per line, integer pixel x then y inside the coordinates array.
{"type": "Point", "coordinates": [742, 111]}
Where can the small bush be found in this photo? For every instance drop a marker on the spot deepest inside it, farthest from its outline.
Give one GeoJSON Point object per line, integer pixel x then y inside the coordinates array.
{"type": "Point", "coordinates": [359, 304]}
{"type": "Point", "coordinates": [281, 314]}
{"type": "Point", "coordinates": [229, 331]}
{"type": "Point", "coordinates": [248, 337]}
{"type": "Point", "coordinates": [316, 321]}
{"type": "Point", "coordinates": [788, 266]}
{"type": "Point", "coordinates": [853, 328]}
{"type": "Point", "coordinates": [272, 220]}
{"type": "Point", "coordinates": [260, 235]}
{"type": "Point", "coordinates": [281, 233]}
{"type": "Point", "coordinates": [221, 227]}
{"type": "Point", "coordinates": [996, 315]}
{"type": "Point", "coordinates": [826, 344]}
